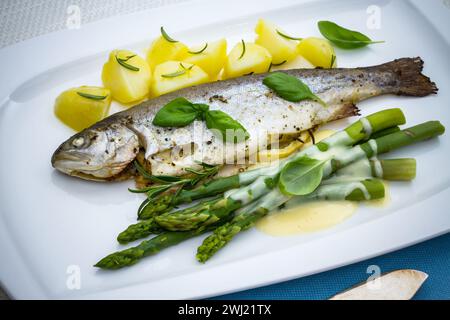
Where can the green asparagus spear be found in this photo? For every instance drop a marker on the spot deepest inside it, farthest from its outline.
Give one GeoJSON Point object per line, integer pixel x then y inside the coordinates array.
{"type": "Point", "coordinates": [353, 191]}
{"type": "Point", "coordinates": [379, 123]}
{"type": "Point", "coordinates": [139, 230]}
{"type": "Point", "coordinates": [149, 226]}
{"type": "Point", "coordinates": [150, 247]}
{"type": "Point", "coordinates": [369, 149]}
{"type": "Point", "coordinates": [323, 150]}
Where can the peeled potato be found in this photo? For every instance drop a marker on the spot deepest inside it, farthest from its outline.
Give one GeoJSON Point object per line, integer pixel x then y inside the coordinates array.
{"type": "Point", "coordinates": [212, 59]}
{"type": "Point", "coordinates": [162, 50]}
{"type": "Point", "coordinates": [318, 51]}
{"type": "Point", "coordinates": [126, 85]}
{"type": "Point", "coordinates": [255, 59]}
{"type": "Point", "coordinates": [281, 48]}
{"type": "Point", "coordinates": [297, 63]}
{"type": "Point", "coordinates": [173, 75]}
{"type": "Point", "coordinates": [81, 107]}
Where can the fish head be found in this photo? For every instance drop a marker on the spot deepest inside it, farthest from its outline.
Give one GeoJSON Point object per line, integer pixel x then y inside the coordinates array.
{"type": "Point", "coordinates": [97, 153]}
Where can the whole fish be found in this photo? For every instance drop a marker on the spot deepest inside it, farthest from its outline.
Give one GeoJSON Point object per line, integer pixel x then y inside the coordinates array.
{"type": "Point", "coordinates": [106, 150]}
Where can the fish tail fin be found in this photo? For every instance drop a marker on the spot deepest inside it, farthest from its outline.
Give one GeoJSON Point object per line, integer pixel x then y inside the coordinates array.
{"type": "Point", "coordinates": [411, 81]}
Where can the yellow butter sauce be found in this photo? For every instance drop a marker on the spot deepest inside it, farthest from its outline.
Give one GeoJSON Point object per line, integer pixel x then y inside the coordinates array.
{"type": "Point", "coordinates": [307, 217]}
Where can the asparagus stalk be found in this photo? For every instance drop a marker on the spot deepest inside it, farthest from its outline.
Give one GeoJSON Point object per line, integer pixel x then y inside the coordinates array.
{"type": "Point", "coordinates": [389, 169]}
{"type": "Point", "coordinates": [149, 247]}
{"type": "Point", "coordinates": [146, 248]}
{"type": "Point", "coordinates": [166, 239]}
{"type": "Point", "coordinates": [353, 191]}
{"type": "Point", "coordinates": [380, 123]}
{"type": "Point", "coordinates": [323, 149]}
{"type": "Point", "coordinates": [369, 149]}
{"type": "Point", "coordinates": [149, 226]}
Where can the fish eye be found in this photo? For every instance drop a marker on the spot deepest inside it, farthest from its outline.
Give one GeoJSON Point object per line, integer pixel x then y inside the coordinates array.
{"type": "Point", "coordinates": [78, 142]}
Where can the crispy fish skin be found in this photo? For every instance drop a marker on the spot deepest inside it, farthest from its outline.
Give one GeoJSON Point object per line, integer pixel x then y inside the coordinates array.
{"type": "Point", "coordinates": [103, 151]}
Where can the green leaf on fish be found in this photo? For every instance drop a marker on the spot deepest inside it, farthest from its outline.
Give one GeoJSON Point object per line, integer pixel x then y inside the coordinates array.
{"type": "Point", "coordinates": [290, 88]}
{"type": "Point", "coordinates": [301, 176]}
{"type": "Point", "coordinates": [177, 113]}
{"type": "Point", "coordinates": [226, 125]}
{"type": "Point", "coordinates": [342, 37]}
{"type": "Point", "coordinates": [180, 112]}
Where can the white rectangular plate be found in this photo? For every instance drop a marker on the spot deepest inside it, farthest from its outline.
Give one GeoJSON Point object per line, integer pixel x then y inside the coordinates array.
{"type": "Point", "coordinates": [52, 226]}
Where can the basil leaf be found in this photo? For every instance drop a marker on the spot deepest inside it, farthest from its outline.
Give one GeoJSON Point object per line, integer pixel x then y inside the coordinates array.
{"type": "Point", "coordinates": [290, 88]}
{"type": "Point", "coordinates": [301, 176]}
{"type": "Point", "coordinates": [222, 122]}
{"type": "Point", "coordinates": [201, 108]}
{"type": "Point", "coordinates": [177, 113]}
{"type": "Point", "coordinates": [342, 37]}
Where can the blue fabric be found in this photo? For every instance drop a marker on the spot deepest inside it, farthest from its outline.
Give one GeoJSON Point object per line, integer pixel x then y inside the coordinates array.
{"type": "Point", "coordinates": [432, 257]}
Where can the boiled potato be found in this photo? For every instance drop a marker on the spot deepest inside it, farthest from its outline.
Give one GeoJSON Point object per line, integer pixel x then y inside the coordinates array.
{"type": "Point", "coordinates": [212, 59]}
{"type": "Point", "coordinates": [254, 59]}
{"type": "Point", "coordinates": [279, 47]}
{"type": "Point", "coordinates": [173, 75]}
{"type": "Point", "coordinates": [81, 107]}
{"type": "Point", "coordinates": [318, 51]}
{"type": "Point", "coordinates": [297, 63]}
{"type": "Point", "coordinates": [127, 75]}
{"type": "Point", "coordinates": [162, 50]}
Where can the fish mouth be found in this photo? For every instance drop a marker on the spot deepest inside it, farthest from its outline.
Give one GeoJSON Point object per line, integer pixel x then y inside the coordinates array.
{"type": "Point", "coordinates": [73, 161]}
{"type": "Point", "coordinates": [80, 165]}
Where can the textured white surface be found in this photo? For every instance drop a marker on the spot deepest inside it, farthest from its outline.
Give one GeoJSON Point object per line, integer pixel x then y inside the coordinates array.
{"type": "Point", "coordinates": [24, 19]}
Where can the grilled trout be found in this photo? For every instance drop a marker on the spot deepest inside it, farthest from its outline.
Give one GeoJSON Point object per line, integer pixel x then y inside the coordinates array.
{"type": "Point", "coordinates": [105, 150]}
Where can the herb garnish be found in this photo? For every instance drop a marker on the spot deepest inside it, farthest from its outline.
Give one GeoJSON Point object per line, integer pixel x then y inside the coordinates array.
{"type": "Point", "coordinates": [91, 96]}
{"type": "Point", "coordinates": [166, 36]}
{"type": "Point", "coordinates": [301, 176]}
{"type": "Point", "coordinates": [333, 59]}
{"type": "Point", "coordinates": [342, 37]}
{"type": "Point", "coordinates": [180, 112]}
{"type": "Point", "coordinates": [123, 62]}
{"type": "Point", "coordinates": [178, 73]}
{"type": "Point", "coordinates": [199, 51]}
{"type": "Point", "coordinates": [165, 183]}
{"type": "Point", "coordinates": [243, 49]}
{"type": "Point", "coordinates": [287, 37]}
{"type": "Point", "coordinates": [290, 88]}
{"type": "Point", "coordinates": [276, 65]}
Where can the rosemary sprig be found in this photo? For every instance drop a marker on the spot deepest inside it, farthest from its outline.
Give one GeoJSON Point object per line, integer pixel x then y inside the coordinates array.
{"type": "Point", "coordinates": [167, 182]}
{"type": "Point", "coordinates": [243, 49]}
{"type": "Point", "coordinates": [276, 65]}
{"type": "Point", "coordinates": [199, 51]}
{"type": "Point", "coordinates": [288, 37]}
{"type": "Point", "coordinates": [91, 96]}
{"type": "Point", "coordinates": [333, 59]}
{"type": "Point", "coordinates": [174, 74]}
{"type": "Point", "coordinates": [179, 72]}
{"type": "Point", "coordinates": [123, 63]}
{"type": "Point", "coordinates": [166, 36]}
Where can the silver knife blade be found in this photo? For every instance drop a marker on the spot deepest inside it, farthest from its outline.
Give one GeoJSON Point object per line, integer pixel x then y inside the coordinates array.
{"type": "Point", "coordinates": [395, 285]}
